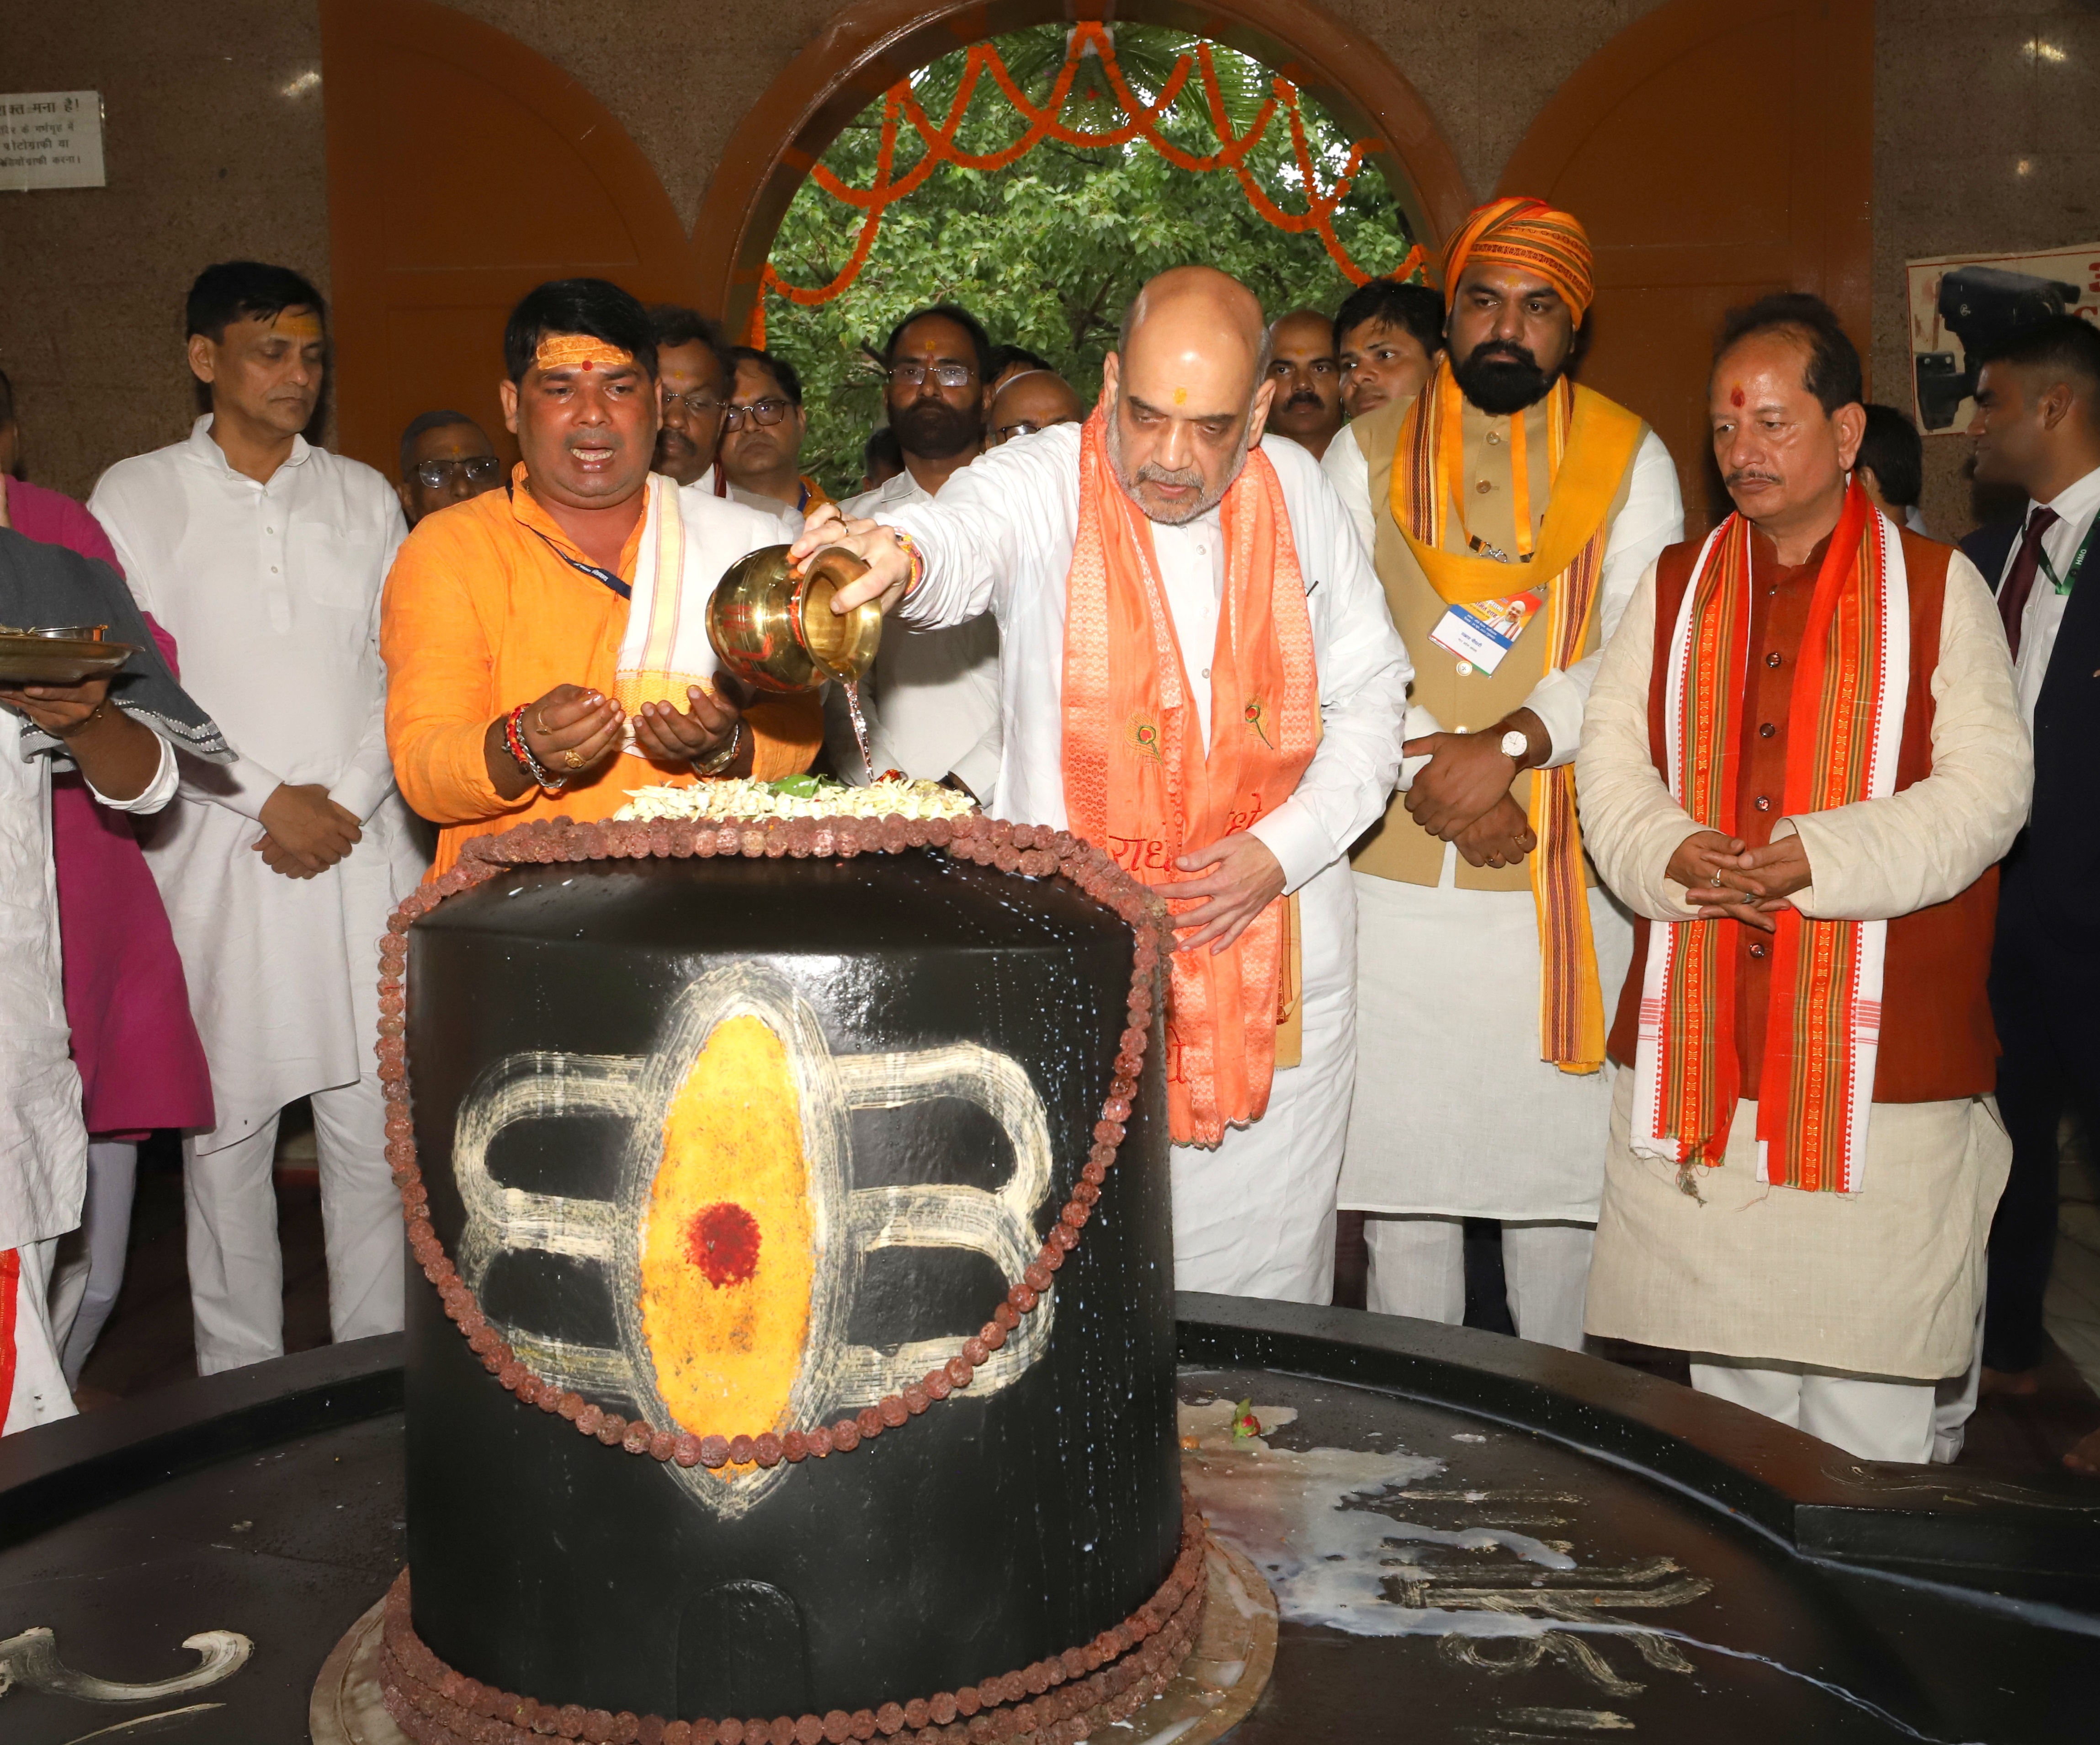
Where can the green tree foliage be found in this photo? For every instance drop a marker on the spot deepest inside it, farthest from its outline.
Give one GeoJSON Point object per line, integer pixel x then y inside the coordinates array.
{"type": "Point", "coordinates": [1047, 252]}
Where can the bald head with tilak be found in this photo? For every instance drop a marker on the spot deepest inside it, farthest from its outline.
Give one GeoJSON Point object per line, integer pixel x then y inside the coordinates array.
{"type": "Point", "coordinates": [1185, 391]}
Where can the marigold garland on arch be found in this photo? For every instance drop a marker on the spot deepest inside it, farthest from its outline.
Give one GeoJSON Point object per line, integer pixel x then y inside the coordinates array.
{"type": "Point", "coordinates": [899, 106]}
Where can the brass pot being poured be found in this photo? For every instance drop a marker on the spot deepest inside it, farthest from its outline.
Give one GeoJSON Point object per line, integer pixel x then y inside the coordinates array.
{"type": "Point", "coordinates": [773, 626]}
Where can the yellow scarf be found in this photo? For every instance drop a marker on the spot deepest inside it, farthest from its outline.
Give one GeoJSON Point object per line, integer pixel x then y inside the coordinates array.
{"type": "Point", "coordinates": [1590, 443]}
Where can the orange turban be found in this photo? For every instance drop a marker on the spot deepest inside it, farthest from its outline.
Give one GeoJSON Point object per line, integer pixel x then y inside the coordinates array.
{"type": "Point", "coordinates": [1523, 233]}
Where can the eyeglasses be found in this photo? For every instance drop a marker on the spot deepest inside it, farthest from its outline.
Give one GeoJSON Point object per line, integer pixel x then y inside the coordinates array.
{"type": "Point", "coordinates": [944, 375]}
{"type": "Point", "coordinates": [1025, 427]}
{"type": "Point", "coordinates": [694, 405]}
{"type": "Point", "coordinates": [766, 412]}
{"type": "Point", "coordinates": [480, 469]}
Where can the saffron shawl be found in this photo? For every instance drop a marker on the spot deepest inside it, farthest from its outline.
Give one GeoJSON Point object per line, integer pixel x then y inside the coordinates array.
{"type": "Point", "coordinates": [1845, 726]}
{"type": "Point", "coordinates": [1591, 442]}
{"type": "Point", "coordinates": [1140, 782]}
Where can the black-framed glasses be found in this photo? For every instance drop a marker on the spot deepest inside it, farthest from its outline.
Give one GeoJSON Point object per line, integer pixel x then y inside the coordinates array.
{"type": "Point", "coordinates": [766, 412]}
{"type": "Point", "coordinates": [480, 469]}
{"type": "Point", "coordinates": [1021, 428]}
{"type": "Point", "coordinates": [694, 405]}
{"type": "Point", "coordinates": [944, 375]}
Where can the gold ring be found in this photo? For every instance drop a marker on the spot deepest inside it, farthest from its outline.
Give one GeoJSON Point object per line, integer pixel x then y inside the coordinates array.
{"type": "Point", "coordinates": [539, 722]}
{"type": "Point", "coordinates": [573, 757]}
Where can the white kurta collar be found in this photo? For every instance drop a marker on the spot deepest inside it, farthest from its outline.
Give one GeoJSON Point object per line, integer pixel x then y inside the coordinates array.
{"type": "Point", "coordinates": [204, 449]}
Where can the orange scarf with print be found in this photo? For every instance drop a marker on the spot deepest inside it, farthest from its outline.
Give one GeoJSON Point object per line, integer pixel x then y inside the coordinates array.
{"type": "Point", "coordinates": [1823, 1025]}
{"type": "Point", "coordinates": [1140, 782]}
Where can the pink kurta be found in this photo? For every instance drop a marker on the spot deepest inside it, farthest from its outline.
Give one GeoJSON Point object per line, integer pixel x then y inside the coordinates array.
{"type": "Point", "coordinates": [141, 1065]}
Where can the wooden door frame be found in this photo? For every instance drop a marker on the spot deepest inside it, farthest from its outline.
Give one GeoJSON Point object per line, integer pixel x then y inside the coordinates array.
{"type": "Point", "coordinates": [1836, 170]}
{"type": "Point", "coordinates": [362, 289]}
{"type": "Point", "coordinates": [867, 47]}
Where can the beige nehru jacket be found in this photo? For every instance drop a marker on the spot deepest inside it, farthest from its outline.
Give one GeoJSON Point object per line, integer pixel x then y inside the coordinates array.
{"type": "Point", "coordinates": [1444, 697]}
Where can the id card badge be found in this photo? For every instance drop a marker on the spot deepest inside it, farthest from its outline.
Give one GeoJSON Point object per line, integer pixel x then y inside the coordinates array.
{"type": "Point", "coordinates": [1486, 630]}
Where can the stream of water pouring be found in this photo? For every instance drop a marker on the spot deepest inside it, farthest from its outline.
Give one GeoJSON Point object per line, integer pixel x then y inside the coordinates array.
{"type": "Point", "coordinates": [852, 689]}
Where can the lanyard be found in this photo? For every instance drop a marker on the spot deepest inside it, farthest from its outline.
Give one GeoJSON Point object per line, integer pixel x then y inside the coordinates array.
{"type": "Point", "coordinates": [591, 570]}
{"type": "Point", "coordinates": [2063, 584]}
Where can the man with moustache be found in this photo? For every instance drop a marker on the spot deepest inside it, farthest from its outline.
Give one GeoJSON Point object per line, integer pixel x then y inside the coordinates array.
{"type": "Point", "coordinates": [524, 634]}
{"type": "Point", "coordinates": [932, 698]}
{"type": "Point", "coordinates": [1802, 758]}
{"type": "Point", "coordinates": [1308, 382]}
{"type": "Point", "coordinates": [696, 365]}
{"type": "Point", "coordinates": [446, 458]}
{"type": "Point", "coordinates": [763, 429]}
{"type": "Point", "coordinates": [263, 556]}
{"type": "Point", "coordinates": [1510, 515]}
{"type": "Point", "coordinates": [1148, 570]}
{"type": "Point", "coordinates": [693, 370]}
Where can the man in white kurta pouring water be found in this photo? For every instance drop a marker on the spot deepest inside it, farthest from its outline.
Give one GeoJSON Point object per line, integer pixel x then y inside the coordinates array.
{"type": "Point", "coordinates": [1199, 674]}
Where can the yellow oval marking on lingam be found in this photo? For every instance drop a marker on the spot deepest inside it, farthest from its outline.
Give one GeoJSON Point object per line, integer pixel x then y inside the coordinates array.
{"type": "Point", "coordinates": [728, 1255]}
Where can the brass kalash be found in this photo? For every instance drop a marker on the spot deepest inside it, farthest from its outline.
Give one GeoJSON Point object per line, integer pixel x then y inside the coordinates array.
{"type": "Point", "coordinates": [772, 625]}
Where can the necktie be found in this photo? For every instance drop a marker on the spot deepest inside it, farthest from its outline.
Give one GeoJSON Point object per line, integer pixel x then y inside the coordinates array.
{"type": "Point", "coordinates": [2019, 580]}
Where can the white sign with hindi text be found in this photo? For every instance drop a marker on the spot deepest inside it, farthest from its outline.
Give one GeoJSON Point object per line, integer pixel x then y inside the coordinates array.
{"type": "Point", "coordinates": [50, 139]}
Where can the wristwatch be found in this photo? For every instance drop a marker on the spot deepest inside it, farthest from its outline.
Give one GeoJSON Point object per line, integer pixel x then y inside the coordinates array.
{"type": "Point", "coordinates": [716, 762]}
{"type": "Point", "coordinates": [1515, 744]}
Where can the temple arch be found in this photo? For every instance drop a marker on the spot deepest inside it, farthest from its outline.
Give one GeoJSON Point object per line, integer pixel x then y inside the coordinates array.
{"type": "Point", "coordinates": [868, 47]}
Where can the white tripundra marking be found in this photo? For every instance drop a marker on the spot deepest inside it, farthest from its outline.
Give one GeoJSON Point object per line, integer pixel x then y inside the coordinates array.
{"type": "Point", "coordinates": [846, 1223]}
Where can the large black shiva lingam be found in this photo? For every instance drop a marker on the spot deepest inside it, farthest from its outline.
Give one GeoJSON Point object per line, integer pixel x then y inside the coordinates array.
{"type": "Point", "coordinates": [801, 1191]}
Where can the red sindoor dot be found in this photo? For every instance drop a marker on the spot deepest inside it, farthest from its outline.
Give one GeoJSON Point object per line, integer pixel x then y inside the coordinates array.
{"type": "Point", "coordinates": [722, 1241]}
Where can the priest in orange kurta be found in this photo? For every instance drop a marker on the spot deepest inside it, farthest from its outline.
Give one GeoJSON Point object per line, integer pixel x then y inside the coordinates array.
{"type": "Point", "coordinates": [504, 617]}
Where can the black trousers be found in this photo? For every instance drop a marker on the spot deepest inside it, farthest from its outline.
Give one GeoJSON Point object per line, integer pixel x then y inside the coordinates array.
{"type": "Point", "coordinates": [2045, 998]}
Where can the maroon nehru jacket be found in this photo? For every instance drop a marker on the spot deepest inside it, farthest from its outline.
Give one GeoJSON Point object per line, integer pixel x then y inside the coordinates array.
{"type": "Point", "coordinates": [1937, 1039]}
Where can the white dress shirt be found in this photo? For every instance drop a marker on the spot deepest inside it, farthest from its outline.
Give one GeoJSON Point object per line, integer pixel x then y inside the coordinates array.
{"type": "Point", "coordinates": [43, 1147]}
{"type": "Point", "coordinates": [1652, 518]}
{"type": "Point", "coordinates": [1001, 537]}
{"type": "Point", "coordinates": [2075, 505]}
{"type": "Point", "coordinates": [272, 592]}
{"type": "Point", "coordinates": [933, 699]}
{"type": "Point", "coordinates": [716, 483]}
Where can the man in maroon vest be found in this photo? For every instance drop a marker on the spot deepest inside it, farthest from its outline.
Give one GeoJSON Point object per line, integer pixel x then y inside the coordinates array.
{"type": "Point", "coordinates": [1802, 758]}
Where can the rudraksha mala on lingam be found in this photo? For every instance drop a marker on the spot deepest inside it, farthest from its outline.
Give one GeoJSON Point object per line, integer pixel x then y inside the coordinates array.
{"type": "Point", "coordinates": [1119, 1670]}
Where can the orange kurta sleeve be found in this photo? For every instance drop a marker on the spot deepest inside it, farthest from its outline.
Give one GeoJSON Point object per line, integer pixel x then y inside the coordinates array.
{"type": "Point", "coordinates": [440, 657]}
{"type": "Point", "coordinates": [481, 614]}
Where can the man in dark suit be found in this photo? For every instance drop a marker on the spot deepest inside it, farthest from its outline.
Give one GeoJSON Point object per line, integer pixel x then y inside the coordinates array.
{"type": "Point", "coordinates": [2037, 427]}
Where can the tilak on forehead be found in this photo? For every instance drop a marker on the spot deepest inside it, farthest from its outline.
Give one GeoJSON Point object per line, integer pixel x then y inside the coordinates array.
{"type": "Point", "coordinates": [571, 350]}
{"type": "Point", "coordinates": [301, 325]}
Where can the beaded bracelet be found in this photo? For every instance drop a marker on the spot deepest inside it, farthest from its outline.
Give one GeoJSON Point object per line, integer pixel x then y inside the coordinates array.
{"type": "Point", "coordinates": [521, 751]}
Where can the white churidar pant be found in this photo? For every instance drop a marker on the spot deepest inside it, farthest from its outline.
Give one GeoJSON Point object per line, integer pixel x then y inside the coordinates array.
{"type": "Point", "coordinates": [1418, 1267]}
{"type": "Point", "coordinates": [91, 1267]}
{"type": "Point", "coordinates": [237, 1268]}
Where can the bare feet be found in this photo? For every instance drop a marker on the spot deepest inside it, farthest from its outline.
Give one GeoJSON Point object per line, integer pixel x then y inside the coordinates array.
{"type": "Point", "coordinates": [2085, 1457]}
{"type": "Point", "coordinates": [2010, 1384]}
